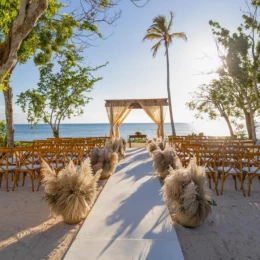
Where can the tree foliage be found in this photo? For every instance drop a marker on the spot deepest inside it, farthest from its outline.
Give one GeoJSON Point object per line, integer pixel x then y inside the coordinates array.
{"type": "Point", "coordinates": [59, 95]}
{"type": "Point", "coordinates": [238, 77]}
{"type": "Point", "coordinates": [3, 136]}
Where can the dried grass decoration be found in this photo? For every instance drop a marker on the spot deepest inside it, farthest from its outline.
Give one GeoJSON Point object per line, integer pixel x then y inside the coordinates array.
{"type": "Point", "coordinates": [152, 146]}
{"type": "Point", "coordinates": [118, 146]}
{"type": "Point", "coordinates": [105, 160]}
{"type": "Point", "coordinates": [164, 160]}
{"type": "Point", "coordinates": [161, 143]}
{"type": "Point", "coordinates": [186, 190]}
{"type": "Point", "coordinates": [72, 192]}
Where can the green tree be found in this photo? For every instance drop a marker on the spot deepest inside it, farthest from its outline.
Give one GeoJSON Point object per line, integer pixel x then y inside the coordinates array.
{"type": "Point", "coordinates": [43, 29]}
{"type": "Point", "coordinates": [3, 138]}
{"type": "Point", "coordinates": [238, 66]}
{"type": "Point", "coordinates": [160, 30]}
{"type": "Point", "coordinates": [59, 95]}
{"type": "Point", "coordinates": [219, 99]}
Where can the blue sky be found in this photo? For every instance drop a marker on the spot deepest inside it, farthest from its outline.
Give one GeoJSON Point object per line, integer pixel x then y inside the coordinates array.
{"type": "Point", "coordinates": [132, 72]}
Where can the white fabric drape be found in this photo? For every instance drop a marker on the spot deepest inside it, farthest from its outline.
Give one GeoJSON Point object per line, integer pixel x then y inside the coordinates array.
{"type": "Point", "coordinates": [157, 113]}
{"type": "Point", "coordinates": [120, 121]}
{"type": "Point", "coordinates": [116, 115]}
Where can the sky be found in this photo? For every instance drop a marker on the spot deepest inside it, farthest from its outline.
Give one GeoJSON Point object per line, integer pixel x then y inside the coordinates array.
{"type": "Point", "coordinates": [132, 72]}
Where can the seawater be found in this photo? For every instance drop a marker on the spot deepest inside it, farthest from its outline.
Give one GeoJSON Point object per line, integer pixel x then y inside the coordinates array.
{"type": "Point", "coordinates": [23, 132]}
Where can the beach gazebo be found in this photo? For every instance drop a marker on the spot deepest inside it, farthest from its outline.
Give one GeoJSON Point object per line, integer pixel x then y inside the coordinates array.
{"type": "Point", "coordinates": [119, 109]}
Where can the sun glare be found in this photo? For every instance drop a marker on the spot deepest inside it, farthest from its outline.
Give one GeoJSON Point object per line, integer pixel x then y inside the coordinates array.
{"type": "Point", "coordinates": [206, 62]}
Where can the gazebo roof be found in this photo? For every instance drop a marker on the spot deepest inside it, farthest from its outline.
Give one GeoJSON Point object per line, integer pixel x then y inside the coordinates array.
{"type": "Point", "coordinates": [135, 103]}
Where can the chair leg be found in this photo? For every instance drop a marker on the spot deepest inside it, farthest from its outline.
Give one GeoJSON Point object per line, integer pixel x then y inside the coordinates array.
{"type": "Point", "coordinates": [242, 180]}
{"type": "Point", "coordinates": [15, 180]}
{"type": "Point", "coordinates": [0, 180]}
{"type": "Point", "coordinates": [222, 183]}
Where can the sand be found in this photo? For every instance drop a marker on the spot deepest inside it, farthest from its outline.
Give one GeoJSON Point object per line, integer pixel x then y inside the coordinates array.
{"type": "Point", "coordinates": [27, 231]}
{"type": "Point", "coordinates": [231, 232]}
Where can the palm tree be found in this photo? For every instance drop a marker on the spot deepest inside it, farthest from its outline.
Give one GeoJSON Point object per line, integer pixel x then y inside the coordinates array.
{"type": "Point", "coordinates": [160, 30]}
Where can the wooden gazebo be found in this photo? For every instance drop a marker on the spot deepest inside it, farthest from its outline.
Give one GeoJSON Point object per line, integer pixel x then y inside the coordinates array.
{"type": "Point", "coordinates": [119, 109]}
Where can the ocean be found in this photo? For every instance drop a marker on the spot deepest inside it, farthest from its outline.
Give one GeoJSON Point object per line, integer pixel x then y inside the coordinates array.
{"type": "Point", "coordinates": [23, 132]}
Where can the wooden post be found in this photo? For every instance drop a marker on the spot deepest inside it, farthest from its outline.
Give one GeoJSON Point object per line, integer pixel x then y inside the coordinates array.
{"type": "Point", "coordinates": [162, 123]}
{"type": "Point", "coordinates": [111, 121]}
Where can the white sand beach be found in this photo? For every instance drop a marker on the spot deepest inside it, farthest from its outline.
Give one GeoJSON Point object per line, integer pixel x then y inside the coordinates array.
{"type": "Point", "coordinates": [27, 231]}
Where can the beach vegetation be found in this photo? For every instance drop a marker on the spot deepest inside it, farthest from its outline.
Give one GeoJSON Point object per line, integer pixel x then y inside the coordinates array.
{"type": "Point", "coordinates": [59, 95]}
{"type": "Point", "coordinates": [160, 31]}
{"type": "Point", "coordinates": [3, 134]}
{"type": "Point", "coordinates": [234, 93]}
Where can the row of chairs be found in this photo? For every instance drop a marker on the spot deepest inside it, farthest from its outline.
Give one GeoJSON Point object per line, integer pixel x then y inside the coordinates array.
{"type": "Point", "coordinates": [223, 160]}
{"type": "Point", "coordinates": [27, 159]}
{"type": "Point", "coordinates": [57, 142]}
{"type": "Point", "coordinates": [198, 137]}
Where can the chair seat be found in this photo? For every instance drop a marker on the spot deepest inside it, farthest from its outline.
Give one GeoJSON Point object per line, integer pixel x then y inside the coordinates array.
{"type": "Point", "coordinates": [10, 161]}
{"type": "Point", "coordinates": [3, 168]}
{"type": "Point", "coordinates": [251, 170]}
{"type": "Point", "coordinates": [246, 160]}
{"type": "Point", "coordinates": [35, 159]}
{"type": "Point", "coordinates": [208, 169]}
{"type": "Point", "coordinates": [30, 167]}
{"type": "Point", "coordinates": [55, 166]}
{"type": "Point", "coordinates": [228, 170]}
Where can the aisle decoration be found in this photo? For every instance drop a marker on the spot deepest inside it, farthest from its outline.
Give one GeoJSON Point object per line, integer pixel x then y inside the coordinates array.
{"type": "Point", "coordinates": [186, 190]}
{"type": "Point", "coordinates": [165, 160]}
{"type": "Point", "coordinates": [70, 193]}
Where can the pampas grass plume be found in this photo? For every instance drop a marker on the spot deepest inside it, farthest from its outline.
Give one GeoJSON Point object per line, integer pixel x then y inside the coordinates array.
{"type": "Point", "coordinates": [162, 160]}
{"type": "Point", "coordinates": [72, 192]}
{"type": "Point", "coordinates": [186, 190]}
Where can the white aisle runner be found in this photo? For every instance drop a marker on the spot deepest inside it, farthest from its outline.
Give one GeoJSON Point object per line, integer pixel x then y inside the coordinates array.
{"type": "Point", "coordinates": [129, 220]}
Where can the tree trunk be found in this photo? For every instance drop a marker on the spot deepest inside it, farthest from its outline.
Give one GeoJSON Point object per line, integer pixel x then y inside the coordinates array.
{"type": "Point", "coordinates": [30, 11]}
{"type": "Point", "coordinates": [229, 125]}
{"type": "Point", "coordinates": [248, 124]}
{"type": "Point", "coordinates": [55, 132]}
{"type": "Point", "coordinates": [8, 96]}
{"type": "Point", "coordinates": [169, 92]}
{"type": "Point", "coordinates": [251, 113]}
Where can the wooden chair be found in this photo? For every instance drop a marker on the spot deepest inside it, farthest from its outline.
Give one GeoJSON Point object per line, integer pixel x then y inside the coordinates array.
{"type": "Point", "coordinates": [27, 163]}
{"type": "Point", "coordinates": [52, 157]}
{"type": "Point", "coordinates": [6, 164]}
{"type": "Point", "coordinates": [58, 159]}
{"type": "Point", "coordinates": [252, 169]}
{"type": "Point", "coordinates": [208, 159]}
{"type": "Point", "coordinates": [231, 166]}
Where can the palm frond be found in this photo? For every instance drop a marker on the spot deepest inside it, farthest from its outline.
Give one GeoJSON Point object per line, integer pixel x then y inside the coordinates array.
{"type": "Point", "coordinates": [156, 47]}
{"type": "Point", "coordinates": [154, 29]}
{"type": "Point", "coordinates": [171, 20]}
{"type": "Point", "coordinates": [180, 35]}
{"type": "Point", "coordinates": [161, 22]}
{"type": "Point", "coordinates": [152, 36]}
